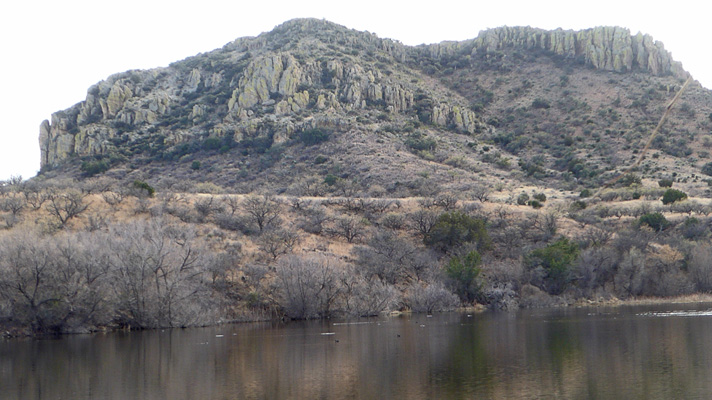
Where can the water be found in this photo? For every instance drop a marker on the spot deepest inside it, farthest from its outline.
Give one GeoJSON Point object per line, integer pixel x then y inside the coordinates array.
{"type": "Point", "coordinates": [656, 352]}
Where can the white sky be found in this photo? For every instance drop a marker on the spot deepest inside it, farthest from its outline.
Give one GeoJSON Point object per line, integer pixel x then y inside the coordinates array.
{"type": "Point", "coordinates": [51, 51]}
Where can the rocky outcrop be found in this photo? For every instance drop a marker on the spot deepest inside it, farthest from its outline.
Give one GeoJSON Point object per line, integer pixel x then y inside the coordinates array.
{"type": "Point", "coordinates": [606, 48]}
{"type": "Point", "coordinates": [460, 118]}
{"type": "Point", "coordinates": [308, 72]}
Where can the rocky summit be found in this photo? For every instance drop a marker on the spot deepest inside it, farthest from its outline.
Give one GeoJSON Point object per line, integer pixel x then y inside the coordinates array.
{"type": "Point", "coordinates": [312, 100]}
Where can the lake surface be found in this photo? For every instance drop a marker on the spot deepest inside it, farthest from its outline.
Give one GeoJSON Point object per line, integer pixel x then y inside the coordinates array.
{"type": "Point", "coordinates": [655, 352]}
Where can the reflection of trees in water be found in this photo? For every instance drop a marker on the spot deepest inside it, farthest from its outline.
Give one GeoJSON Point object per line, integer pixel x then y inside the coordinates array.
{"type": "Point", "coordinates": [551, 354]}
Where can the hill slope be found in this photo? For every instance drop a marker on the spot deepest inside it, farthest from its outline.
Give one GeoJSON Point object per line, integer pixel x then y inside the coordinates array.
{"type": "Point", "coordinates": [312, 100]}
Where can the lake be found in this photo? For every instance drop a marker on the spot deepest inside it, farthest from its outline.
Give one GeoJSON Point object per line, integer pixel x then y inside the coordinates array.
{"type": "Point", "coordinates": [631, 352]}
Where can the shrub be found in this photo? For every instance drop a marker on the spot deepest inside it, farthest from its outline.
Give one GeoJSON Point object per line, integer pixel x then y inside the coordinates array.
{"type": "Point", "coordinates": [535, 204]}
{"type": "Point", "coordinates": [416, 141]}
{"type": "Point", "coordinates": [540, 197]}
{"type": "Point", "coordinates": [672, 195]}
{"type": "Point", "coordinates": [665, 182]}
{"type": "Point", "coordinates": [311, 137]}
{"type": "Point", "coordinates": [453, 229]}
{"type": "Point", "coordinates": [91, 168]}
{"type": "Point", "coordinates": [585, 193]}
{"type": "Point", "coordinates": [195, 165]}
{"type": "Point", "coordinates": [707, 169]}
{"type": "Point", "coordinates": [540, 103]}
{"type": "Point", "coordinates": [629, 180]}
{"type": "Point", "coordinates": [657, 221]}
{"type": "Point", "coordinates": [307, 287]}
{"type": "Point", "coordinates": [330, 179]}
{"type": "Point", "coordinates": [555, 260]}
{"type": "Point", "coordinates": [578, 205]}
{"type": "Point", "coordinates": [212, 143]}
{"type": "Point", "coordinates": [462, 273]}
{"type": "Point", "coordinates": [434, 297]}
{"type": "Point", "coordinates": [522, 199]}
{"type": "Point", "coordinates": [141, 185]}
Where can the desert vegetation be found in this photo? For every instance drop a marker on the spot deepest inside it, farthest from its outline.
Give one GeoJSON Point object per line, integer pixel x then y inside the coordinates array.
{"type": "Point", "coordinates": [106, 254]}
{"type": "Point", "coordinates": [459, 176]}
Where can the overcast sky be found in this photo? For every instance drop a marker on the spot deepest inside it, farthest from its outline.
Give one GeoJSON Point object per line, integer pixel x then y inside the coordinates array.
{"type": "Point", "coordinates": [52, 51]}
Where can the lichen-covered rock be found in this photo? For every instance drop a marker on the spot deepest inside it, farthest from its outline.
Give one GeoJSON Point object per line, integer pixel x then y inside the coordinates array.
{"type": "Point", "coordinates": [462, 119]}
{"type": "Point", "coordinates": [120, 92]}
{"type": "Point", "coordinates": [191, 85]}
{"type": "Point", "coordinates": [606, 48]}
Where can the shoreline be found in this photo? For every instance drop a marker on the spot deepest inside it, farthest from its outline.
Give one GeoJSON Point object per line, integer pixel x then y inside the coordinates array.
{"type": "Point", "coordinates": [14, 332]}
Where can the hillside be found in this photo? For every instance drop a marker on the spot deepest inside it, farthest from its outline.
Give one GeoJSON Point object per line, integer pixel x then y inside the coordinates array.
{"type": "Point", "coordinates": [316, 171]}
{"type": "Point", "coordinates": [312, 99]}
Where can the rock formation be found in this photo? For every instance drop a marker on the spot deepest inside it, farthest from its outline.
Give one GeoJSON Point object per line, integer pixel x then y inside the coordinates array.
{"type": "Point", "coordinates": [305, 73]}
{"type": "Point", "coordinates": [606, 48]}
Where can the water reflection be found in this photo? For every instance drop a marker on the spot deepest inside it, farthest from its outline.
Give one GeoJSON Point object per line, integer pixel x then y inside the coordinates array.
{"type": "Point", "coordinates": [661, 352]}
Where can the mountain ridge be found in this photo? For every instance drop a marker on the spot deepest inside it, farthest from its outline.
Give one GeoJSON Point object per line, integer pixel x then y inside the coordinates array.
{"type": "Point", "coordinates": [309, 74]}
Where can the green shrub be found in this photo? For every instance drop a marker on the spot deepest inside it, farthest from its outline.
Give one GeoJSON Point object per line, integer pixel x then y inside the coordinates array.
{"type": "Point", "coordinates": [91, 168]}
{"type": "Point", "coordinates": [417, 141]}
{"type": "Point", "coordinates": [312, 137]}
{"type": "Point", "coordinates": [555, 259]}
{"type": "Point", "coordinates": [259, 144]}
{"type": "Point", "coordinates": [578, 205]}
{"type": "Point", "coordinates": [331, 179]}
{"type": "Point", "coordinates": [541, 197]}
{"type": "Point", "coordinates": [585, 193]}
{"type": "Point", "coordinates": [665, 182]}
{"type": "Point", "coordinates": [535, 204]}
{"type": "Point", "coordinates": [707, 169]}
{"type": "Point", "coordinates": [540, 103]}
{"type": "Point", "coordinates": [144, 186]}
{"type": "Point", "coordinates": [672, 195]}
{"type": "Point", "coordinates": [657, 221]}
{"type": "Point", "coordinates": [462, 272]}
{"type": "Point", "coordinates": [453, 229]}
{"type": "Point", "coordinates": [522, 199]}
{"type": "Point", "coordinates": [629, 180]}
{"type": "Point", "coordinates": [195, 165]}
{"type": "Point", "coordinates": [212, 143]}
{"type": "Point", "coordinates": [320, 160]}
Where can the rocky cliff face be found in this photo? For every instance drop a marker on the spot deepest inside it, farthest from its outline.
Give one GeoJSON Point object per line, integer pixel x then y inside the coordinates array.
{"type": "Point", "coordinates": [606, 48]}
{"type": "Point", "coordinates": [306, 74]}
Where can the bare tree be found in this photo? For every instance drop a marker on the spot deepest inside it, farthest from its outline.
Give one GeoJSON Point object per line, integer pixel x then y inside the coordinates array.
{"type": "Point", "coordinates": [423, 221]}
{"type": "Point", "coordinates": [63, 207]}
{"type": "Point", "coordinates": [434, 297]}
{"type": "Point", "coordinates": [97, 185]}
{"type": "Point", "coordinates": [263, 210]}
{"type": "Point", "coordinates": [362, 298]}
{"type": "Point", "coordinates": [159, 273]}
{"type": "Point", "coordinates": [446, 201]}
{"type": "Point", "coordinates": [481, 193]}
{"type": "Point", "coordinates": [207, 206]}
{"type": "Point", "coordinates": [311, 186]}
{"type": "Point", "coordinates": [385, 258]}
{"type": "Point", "coordinates": [349, 228]}
{"type": "Point", "coordinates": [13, 203]}
{"type": "Point", "coordinates": [277, 242]}
{"type": "Point", "coordinates": [393, 221]}
{"type": "Point", "coordinates": [55, 283]}
{"type": "Point", "coordinates": [35, 194]}
{"type": "Point", "coordinates": [26, 276]}
{"type": "Point", "coordinates": [231, 202]}
{"type": "Point", "coordinates": [700, 267]}
{"type": "Point", "coordinates": [113, 198]}
{"type": "Point", "coordinates": [309, 287]}
{"type": "Point", "coordinates": [314, 220]}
